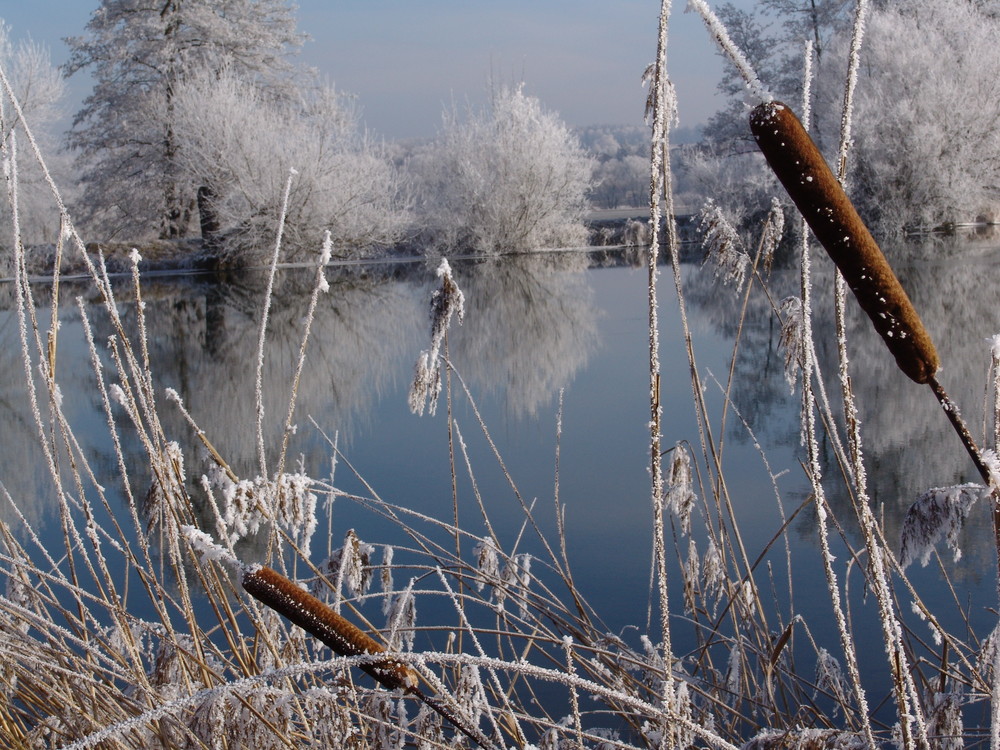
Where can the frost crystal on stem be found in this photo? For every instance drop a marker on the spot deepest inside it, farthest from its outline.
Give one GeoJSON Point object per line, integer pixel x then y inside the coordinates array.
{"type": "Point", "coordinates": [207, 547]}
{"type": "Point", "coordinates": [723, 246]}
{"type": "Point", "coordinates": [248, 504]}
{"type": "Point", "coordinates": [721, 35]}
{"type": "Point", "coordinates": [445, 302]}
{"type": "Point", "coordinates": [939, 512]}
{"type": "Point", "coordinates": [679, 495]}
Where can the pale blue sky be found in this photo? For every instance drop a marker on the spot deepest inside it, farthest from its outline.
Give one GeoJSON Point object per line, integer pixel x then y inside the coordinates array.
{"type": "Point", "coordinates": [407, 59]}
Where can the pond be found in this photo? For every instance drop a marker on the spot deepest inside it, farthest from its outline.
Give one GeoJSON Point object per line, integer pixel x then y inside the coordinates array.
{"type": "Point", "coordinates": [553, 354]}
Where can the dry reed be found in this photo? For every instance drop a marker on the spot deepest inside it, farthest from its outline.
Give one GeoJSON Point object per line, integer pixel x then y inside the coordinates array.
{"type": "Point", "coordinates": [210, 668]}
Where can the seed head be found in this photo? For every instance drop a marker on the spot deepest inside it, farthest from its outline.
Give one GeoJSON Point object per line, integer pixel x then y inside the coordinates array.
{"type": "Point", "coordinates": [832, 217]}
{"type": "Point", "coordinates": [309, 613]}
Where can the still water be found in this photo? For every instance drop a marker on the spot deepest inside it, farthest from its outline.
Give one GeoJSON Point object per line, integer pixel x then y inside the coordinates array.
{"type": "Point", "coordinates": [548, 340]}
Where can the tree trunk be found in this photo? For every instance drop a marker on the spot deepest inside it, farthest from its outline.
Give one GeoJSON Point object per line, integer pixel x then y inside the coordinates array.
{"type": "Point", "coordinates": [210, 226]}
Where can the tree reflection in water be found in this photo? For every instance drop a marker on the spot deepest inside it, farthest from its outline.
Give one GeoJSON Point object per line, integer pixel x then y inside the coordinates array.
{"type": "Point", "coordinates": [909, 445]}
{"type": "Point", "coordinates": [531, 328]}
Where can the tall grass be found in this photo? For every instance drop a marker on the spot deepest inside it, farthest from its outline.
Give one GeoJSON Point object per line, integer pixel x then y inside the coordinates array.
{"type": "Point", "coordinates": [195, 613]}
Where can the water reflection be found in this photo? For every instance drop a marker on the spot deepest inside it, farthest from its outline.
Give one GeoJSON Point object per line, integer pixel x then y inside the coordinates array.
{"type": "Point", "coordinates": [758, 388]}
{"type": "Point", "coordinates": [914, 445]}
{"type": "Point", "coordinates": [529, 327]}
{"type": "Point", "coordinates": [204, 348]}
{"type": "Point", "coordinates": [909, 444]}
{"type": "Point", "coordinates": [530, 324]}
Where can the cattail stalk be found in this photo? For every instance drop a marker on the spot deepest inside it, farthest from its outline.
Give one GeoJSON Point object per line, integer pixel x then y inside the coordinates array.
{"type": "Point", "coordinates": [824, 205]}
{"type": "Point", "coordinates": [821, 199]}
{"type": "Point", "coordinates": [312, 615]}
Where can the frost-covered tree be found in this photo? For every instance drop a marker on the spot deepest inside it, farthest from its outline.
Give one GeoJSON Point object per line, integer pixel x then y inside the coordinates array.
{"type": "Point", "coordinates": [505, 178]}
{"type": "Point", "coordinates": [36, 82]}
{"type": "Point", "coordinates": [139, 53]}
{"type": "Point", "coordinates": [621, 172]}
{"type": "Point", "coordinates": [39, 88]}
{"type": "Point", "coordinates": [926, 148]}
{"type": "Point", "coordinates": [240, 143]}
{"type": "Point", "coordinates": [621, 182]}
{"type": "Point", "coordinates": [727, 165]}
{"type": "Point", "coordinates": [927, 145]}
{"type": "Point", "coordinates": [772, 35]}
{"type": "Point", "coordinates": [740, 184]}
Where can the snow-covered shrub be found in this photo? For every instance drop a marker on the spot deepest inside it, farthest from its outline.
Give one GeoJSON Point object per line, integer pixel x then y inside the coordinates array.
{"type": "Point", "coordinates": [506, 178]}
{"type": "Point", "coordinates": [240, 142]}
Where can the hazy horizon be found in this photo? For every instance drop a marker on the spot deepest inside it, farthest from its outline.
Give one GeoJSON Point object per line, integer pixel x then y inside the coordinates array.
{"type": "Point", "coordinates": [407, 63]}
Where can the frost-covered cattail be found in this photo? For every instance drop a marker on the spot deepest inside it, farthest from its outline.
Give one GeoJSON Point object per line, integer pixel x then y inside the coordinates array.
{"type": "Point", "coordinates": [989, 652]}
{"type": "Point", "coordinates": [446, 302]}
{"type": "Point", "coordinates": [427, 726]}
{"type": "Point", "coordinates": [830, 677]}
{"type": "Point", "coordinates": [691, 572]}
{"type": "Point", "coordinates": [385, 575]}
{"type": "Point", "coordinates": [832, 217]}
{"type": "Point", "coordinates": [309, 613]}
{"type": "Point", "coordinates": [401, 620]}
{"type": "Point", "coordinates": [734, 669]}
{"type": "Point", "coordinates": [516, 576]}
{"type": "Point", "coordinates": [770, 238]}
{"type": "Point", "coordinates": [246, 505]}
{"type": "Point", "coordinates": [944, 722]}
{"type": "Point", "coordinates": [470, 693]}
{"type": "Point", "coordinates": [487, 562]}
{"type": "Point", "coordinates": [350, 566]}
{"type": "Point", "coordinates": [713, 573]}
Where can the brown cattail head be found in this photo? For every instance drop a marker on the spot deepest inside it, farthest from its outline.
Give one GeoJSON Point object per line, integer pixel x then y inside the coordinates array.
{"type": "Point", "coordinates": [312, 615]}
{"type": "Point", "coordinates": [832, 217]}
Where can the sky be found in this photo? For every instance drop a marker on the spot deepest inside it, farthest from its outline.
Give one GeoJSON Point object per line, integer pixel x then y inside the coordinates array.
{"type": "Point", "coordinates": [408, 60]}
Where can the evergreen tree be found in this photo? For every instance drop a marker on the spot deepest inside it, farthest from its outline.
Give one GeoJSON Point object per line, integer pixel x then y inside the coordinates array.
{"type": "Point", "coordinates": [139, 52]}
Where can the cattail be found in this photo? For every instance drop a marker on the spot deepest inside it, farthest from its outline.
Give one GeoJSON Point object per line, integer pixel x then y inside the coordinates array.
{"type": "Point", "coordinates": [832, 217]}
{"type": "Point", "coordinates": [303, 609]}
{"type": "Point", "coordinates": [309, 613]}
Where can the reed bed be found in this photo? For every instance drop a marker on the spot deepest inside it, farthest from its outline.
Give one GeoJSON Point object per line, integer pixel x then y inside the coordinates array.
{"type": "Point", "coordinates": [190, 609]}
